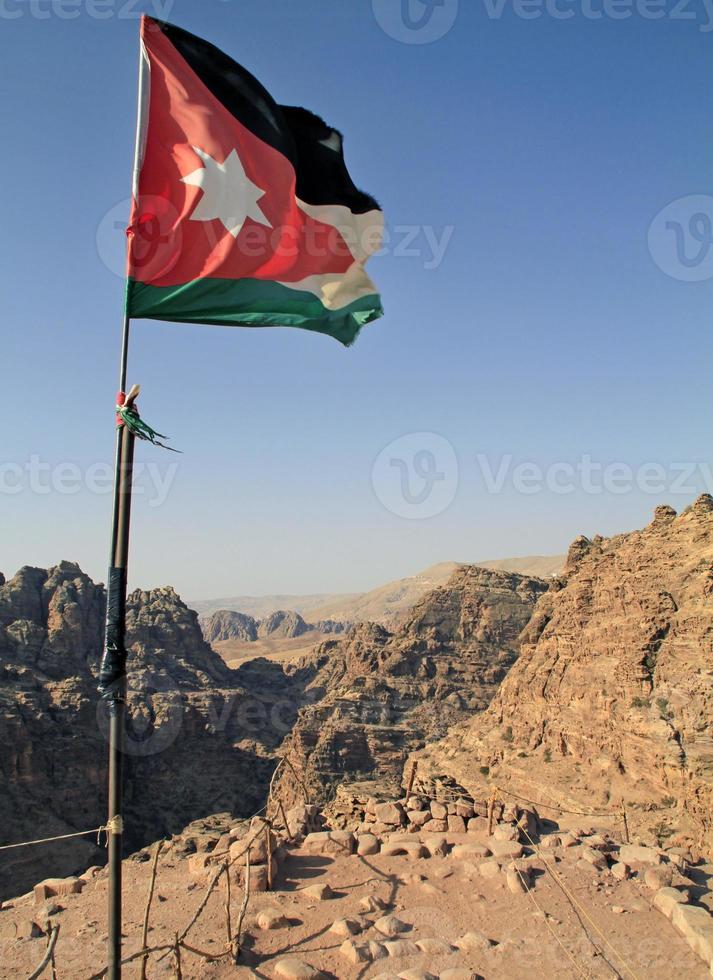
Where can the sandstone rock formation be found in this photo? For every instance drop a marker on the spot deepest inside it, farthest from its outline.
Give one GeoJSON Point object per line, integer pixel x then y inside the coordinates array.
{"type": "Point", "coordinates": [225, 624]}
{"type": "Point", "coordinates": [228, 625]}
{"type": "Point", "coordinates": [283, 623]}
{"type": "Point", "coordinates": [377, 695]}
{"type": "Point", "coordinates": [612, 695]}
{"type": "Point", "coordinates": [201, 737]}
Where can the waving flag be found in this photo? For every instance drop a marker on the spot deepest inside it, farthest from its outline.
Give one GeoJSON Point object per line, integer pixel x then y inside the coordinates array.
{"type": "Point", "coordinates": [244, 213]}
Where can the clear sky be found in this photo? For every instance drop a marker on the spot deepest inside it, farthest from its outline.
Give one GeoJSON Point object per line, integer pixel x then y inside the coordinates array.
{"type": "Point", "coordinates": [537, 308]}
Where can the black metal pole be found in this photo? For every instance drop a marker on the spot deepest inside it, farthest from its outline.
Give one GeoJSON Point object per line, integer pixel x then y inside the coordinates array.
{"type": "Point", "coordinates": [112, 675]}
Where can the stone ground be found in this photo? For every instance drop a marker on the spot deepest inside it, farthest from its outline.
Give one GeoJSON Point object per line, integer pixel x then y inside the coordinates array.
{"type": "Point", "coordinates": [436, 900]}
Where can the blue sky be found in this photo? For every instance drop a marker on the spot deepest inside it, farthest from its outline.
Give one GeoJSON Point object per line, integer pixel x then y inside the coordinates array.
{"type": "Point", "coordinates": [557, 326]}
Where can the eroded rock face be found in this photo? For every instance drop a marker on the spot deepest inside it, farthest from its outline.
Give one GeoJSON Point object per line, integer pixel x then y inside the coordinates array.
{"type": "Point", "coordinates": [612, 694]}
{"type": "Point", "coordinates": [200, 738]}
{"type": "Point", "coordinates": [229, 625]}
{"type": "Point", "coordinates": [379, 695]}
{"type": "Point", "coordinates": [282, 623]}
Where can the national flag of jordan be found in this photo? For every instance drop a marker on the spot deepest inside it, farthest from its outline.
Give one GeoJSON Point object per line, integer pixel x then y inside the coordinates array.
{"type": "Point", "coordinates": [244, 213]}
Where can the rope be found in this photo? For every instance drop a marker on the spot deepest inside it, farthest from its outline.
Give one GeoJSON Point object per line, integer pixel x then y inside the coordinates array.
{"type": "Point", "coordinates": [113, 826]}
{"type": "Point", "coordinates": [560, 809]}
{"type": "Point", "coordinates": [570, 956]}
{"type": "Point", "coordinates": [47, 840]}
{"type": "Point", "coordinates": [579, 907]}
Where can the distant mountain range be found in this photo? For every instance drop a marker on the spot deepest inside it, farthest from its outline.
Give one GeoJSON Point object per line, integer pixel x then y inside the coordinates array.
{"type": "Point", "coordinates": [386, 604]}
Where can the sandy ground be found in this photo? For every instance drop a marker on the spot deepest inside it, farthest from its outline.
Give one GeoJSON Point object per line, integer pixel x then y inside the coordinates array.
{"type": "Point", "coordinates": [439, 897]}
{"type": "Point", "coordinates": [281, 650]}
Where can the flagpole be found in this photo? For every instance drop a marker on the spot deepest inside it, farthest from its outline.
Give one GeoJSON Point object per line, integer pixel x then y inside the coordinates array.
{"type": "Point", "coordinates": [112, 677]}
{"type": "Point", "coordinates": [112, 674]}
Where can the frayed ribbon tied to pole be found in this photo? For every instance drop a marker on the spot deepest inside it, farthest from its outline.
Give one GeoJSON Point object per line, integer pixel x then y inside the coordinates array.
{"type": "Point", "coordinates": [127, 414]}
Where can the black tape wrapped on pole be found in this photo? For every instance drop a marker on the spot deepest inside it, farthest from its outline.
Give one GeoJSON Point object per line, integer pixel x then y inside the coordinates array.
{"type": "Point", "coordinates": [112, 671]}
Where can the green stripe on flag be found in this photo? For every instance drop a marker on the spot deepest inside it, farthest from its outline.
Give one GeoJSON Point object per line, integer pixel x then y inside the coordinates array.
{"type": "Point", "coordinates": [249, 303]}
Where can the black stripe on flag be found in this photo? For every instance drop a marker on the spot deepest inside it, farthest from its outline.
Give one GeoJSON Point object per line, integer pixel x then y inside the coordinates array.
{"type": "Point", "coordinates": [314, 149]}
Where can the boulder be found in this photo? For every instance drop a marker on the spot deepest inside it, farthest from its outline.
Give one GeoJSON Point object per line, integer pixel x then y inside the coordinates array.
{"type": "Point", "coordinates": [505, 848]}
{"type": "Point", "coordinates": [355, 953]}
{"type": "Point", "coordinates": [390, 926]}
{"type": "Point", "coordinates": [320, 891]}
{"type": "Point", "coordinates": [330, 842]}
{"type": "Point", "coordinates": [304, 819]}
{"type": "Point", "coordinates": [271, 918]}
{"type": "Point", "coordinates": [367, 844]}
{"type": "Point", "coordinates": [464, 809]}
{"type": "Point", "coordinates": [506, 832]}
{"type": "Point", "coordinates": [397, 848]}
{"type": "Point", "coordinates": [373, 903]}
{"type": "Point", "coordinates": [53, 887]}
{"type": "Point", "coordinates": [346, 927]}
{"type": "Point", "coordinates": [28, 929]}
{"type": "Point", "coordinates": [638, 854]}
{"type": "Point", "coordinates": [517, 882]}
{"type": "Point", "coordinates": [594, 857]}
{"type": "Point", "coordinates": [259, 878]}
{"type": "Point", "coordinates": [434, 826]}
{"type": "Point", "coordinates": [696, 926]}
{"type": "Point", "coordinates": [666, 899]}
{"type": "Point", "coordinates": [417, 818]}
{"type": "Point", "coordinates": [391, 814]}
{"type": "Point", "coordinates": [439, 811]}
{"type": "Point", "coordinates": [474, 941]}
{"type": "Point", "coordinates": [436, 846]}
{"type": "Point", "coordinates": [198, 864]}
{"type": "Point", "coordinates": [294, 969]}
{"type": "Point", "coordinates": [467, 852]}
{"type": "Point", "coordinates": [456, 824]}
{"type": "Point", "coordinates": [477, 825]}
{"type": "Point", "coordinates": [659, 876]}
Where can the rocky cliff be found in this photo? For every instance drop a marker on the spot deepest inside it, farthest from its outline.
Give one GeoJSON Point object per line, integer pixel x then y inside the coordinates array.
{"type": "Point", "coordinates": [200, 736]}
{"type": "Point", "coordinates": [281, 624]}
{"type": "Point", "coordinates": [229, 625]}
{"type": "Point", "coordinates": [376, 696]}
{"type": "Point", "coordinates": [612, 695]}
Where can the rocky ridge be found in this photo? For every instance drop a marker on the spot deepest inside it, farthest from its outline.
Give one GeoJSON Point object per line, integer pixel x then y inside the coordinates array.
{"type": "Point", "coordinates": [225, 624]}
{"type": "Point", "coordinates": [612, 695]}
{"type": "Point", "coordinates": [375, 696]}
{"type": "Point", "coordinates": [201, 737]}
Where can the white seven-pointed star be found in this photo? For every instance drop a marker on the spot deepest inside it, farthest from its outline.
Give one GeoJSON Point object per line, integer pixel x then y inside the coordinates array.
{"type": "Point", "coordinates": [228, 193]}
